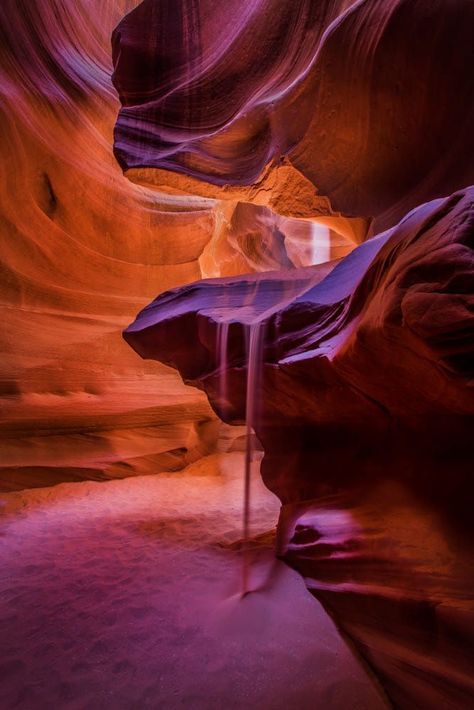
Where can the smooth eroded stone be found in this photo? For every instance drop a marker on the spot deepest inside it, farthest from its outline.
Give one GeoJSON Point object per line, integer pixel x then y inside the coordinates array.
{"type": "Point", "coordinates": [364, 99]}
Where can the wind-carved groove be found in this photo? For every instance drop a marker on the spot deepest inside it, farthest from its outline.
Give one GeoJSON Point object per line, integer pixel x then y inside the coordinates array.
{"type": "Point", "coordinates": [51, 202]}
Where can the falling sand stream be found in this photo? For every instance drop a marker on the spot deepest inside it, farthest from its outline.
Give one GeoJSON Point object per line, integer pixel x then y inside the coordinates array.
{"type": "Point", "coordinates": [254, 326]}
{"type": "Point", "coordinates": [254, 338]}
{"type": "Point", "coordinates": [254, 333]}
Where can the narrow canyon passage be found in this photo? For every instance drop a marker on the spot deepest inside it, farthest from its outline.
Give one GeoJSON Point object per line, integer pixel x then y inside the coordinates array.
{"type": "Point", "coordinates": [237, 354]}
{"type": "Point", "coordinates": [126, 594]}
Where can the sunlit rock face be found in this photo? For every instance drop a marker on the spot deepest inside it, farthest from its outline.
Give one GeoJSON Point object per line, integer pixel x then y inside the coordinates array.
{"type": "Point", "coordinates": [83, 249]}
{"type": "Point", "coordinates": [365, 409]}
{"type": "Point", "coordinates": [80, 254]}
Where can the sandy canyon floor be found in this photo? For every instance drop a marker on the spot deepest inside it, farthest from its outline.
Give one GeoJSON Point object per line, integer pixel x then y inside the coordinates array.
{"type": "Point", "coordinates": [125, 594]}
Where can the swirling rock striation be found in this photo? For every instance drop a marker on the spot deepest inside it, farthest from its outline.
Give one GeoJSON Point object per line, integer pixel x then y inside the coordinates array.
{"type": "Point", "coordinates": [83, 249]}
{"type": "Point", "coordinates": [370, 101]}
{"type": "Point", "coordinates": [197, 81]}
{"type": "Point", "coordinates": [80, 255]}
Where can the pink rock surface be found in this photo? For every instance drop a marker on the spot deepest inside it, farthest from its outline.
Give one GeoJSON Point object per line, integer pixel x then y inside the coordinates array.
{"type": "Point", "coordinates": [406, 292]}
{"type": "Point", "coordinates": [179, 71]}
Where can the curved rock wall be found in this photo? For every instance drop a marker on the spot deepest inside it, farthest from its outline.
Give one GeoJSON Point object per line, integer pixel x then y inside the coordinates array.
{"type": "Point", "coordinates": [350, 112]}
{"type": "Point", "coordinates": [371, 101]}
{"type": "Point", "coordinates": [376, 353]}
{"type": "Point", "coordinates": [83, 249]}
{"type": "Point", "coordinates": [80, 254]}
{"type": "Point", "coordinates": [365, 404]}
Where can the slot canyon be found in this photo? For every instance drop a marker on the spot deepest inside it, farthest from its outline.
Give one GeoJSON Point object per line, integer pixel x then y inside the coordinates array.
{"type": "Point", "coordinates": [237, 354]}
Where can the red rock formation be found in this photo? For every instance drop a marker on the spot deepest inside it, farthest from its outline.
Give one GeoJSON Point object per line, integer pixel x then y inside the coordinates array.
{"type": "Point", "coordinates": [365, 414]}
{"type": "Point", "coordinates": [393, 109]}
{"type": "Point", "coordinates": [198, 82]}
{"type": "Point", "coordinates": [366, 364]}
{"type": "Point", "coordinates": [83, 249]}
{"type": "Point", "coordinates": [80, 254]}
{"type": "Point", "coordinates": [365, 405]}
{"type": "Point", "coordinates": [401, 301]}
{"type": "Point", "coordinates": [361, 109]}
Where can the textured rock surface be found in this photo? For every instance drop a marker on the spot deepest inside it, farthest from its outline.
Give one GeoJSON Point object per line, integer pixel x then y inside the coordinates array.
{"type": "Point", "coordinates": [365, 410]}
{"type": "Point", "coordinates": [80, 254]}
{"type": "Point", "coordinates": [371, 101]}
{"type": "Point", "coordinates": [365, 413]}
{"type": "Point", "coordinates": [402, 299]}
{"type": "Point", "coordinates": [366, 364]}
{"type": "Point", "coordinates": [83, 249]}
{"type": "Point", "coordinates": [178, 71]}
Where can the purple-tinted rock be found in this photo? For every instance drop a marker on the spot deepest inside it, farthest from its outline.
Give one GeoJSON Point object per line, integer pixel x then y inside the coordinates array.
{"type": "Point", "coordinates": [372, 101]}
